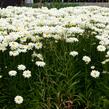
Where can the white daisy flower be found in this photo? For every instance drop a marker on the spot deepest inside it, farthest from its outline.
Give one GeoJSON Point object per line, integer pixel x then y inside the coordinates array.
{"type": "Point", "coordinates": [1, 76]}
{"type": "Point", "coordinates": [95, 73]}
{"type": "Point", "coordinates": [12, 73]}
{"type": "Point", "coordinates": [27, 74]}
{"type": "Point", "coordinates": [101, 48]}
{"type": "Point", "coordinates": [18, 99]}
{"type": "Point", "coordinates": [21, 67]}
{"type": "Point", "coordinates": [40, 63]}
{"type": "Point", "coordinates": [38, 45]}
{"type": "Point", "coordinates": [92, 67]}
{"type": "Point", "coordinates": [71, 40]}
{"type": "Point", "coordinates": [73, 53]}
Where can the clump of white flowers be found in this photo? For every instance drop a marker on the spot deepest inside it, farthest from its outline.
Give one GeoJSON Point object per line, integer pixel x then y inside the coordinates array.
{"type": "Point", "coordinates": [73, 53]}
{"type": "Point", "coordinates": [25, 33]}
{"type": "Point", "coordinates": [14, 53]}
{"type": "Point", "coordinates": [86, 59]}
{"type": "Point", "coordinates": [21, 67]}
{"type": "Point", "coordinates": [12, 73]}
{"type": "Point", "coordinates": [27, 74]}
{"type": "Point", "coordinates": [95, 73]}
{"type": "Point", "coordinates": [40, 63]}
{"type": "Point", "coordinates": [13, 45]}
{"type": "Point", "coordinates": [18, 99]}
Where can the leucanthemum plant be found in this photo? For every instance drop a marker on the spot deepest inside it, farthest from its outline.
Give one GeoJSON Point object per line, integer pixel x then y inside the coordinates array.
{"type": "Point", "coordinates": [54, 58]}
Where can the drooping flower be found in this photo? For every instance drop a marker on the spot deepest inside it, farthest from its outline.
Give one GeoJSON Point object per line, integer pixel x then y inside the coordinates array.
{"type": "Point", "coordinates": [38, 55]}
{"type": "Point", "coordinates": [86, 59]}
{"type": "Point", "coordinates": [105, 61]}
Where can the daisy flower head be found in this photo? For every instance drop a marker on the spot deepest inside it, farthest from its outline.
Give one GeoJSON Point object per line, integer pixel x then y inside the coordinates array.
{"type": "Point", "coordinates": [38, 45]}
{"type": "Point", "coordinates": [101, 48]}
{"type": "Point", "coordinates": [12, 73]}
{"type": "Point", "coordinates": [71, 40]}
{"type": "Point", "coordinates": [18, 99]}
{"type": "Point", "coordinates": [21, 67]}
{"type": "Point", "coordinates": [95, 73]}
{"type": "Point", "coordinates": [92, 67]}
{"type": "Point", "coordinates": [73, 53]}
{"type": "Point", "coordinates": [40, 63]}
{"type": "Point", "coordinates": [1, 76]}
{"type": "Point", "coordinates": [27, 74]}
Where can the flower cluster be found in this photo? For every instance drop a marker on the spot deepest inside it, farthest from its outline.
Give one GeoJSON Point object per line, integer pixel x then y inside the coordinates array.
{"type": "Point", "coordinates": [26, 74]}
{"type": "Point", "coordinates": [77, 36]}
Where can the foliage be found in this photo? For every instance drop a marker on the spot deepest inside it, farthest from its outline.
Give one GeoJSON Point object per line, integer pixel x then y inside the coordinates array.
{"type": "Point", "coordinates": [56, 5]}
